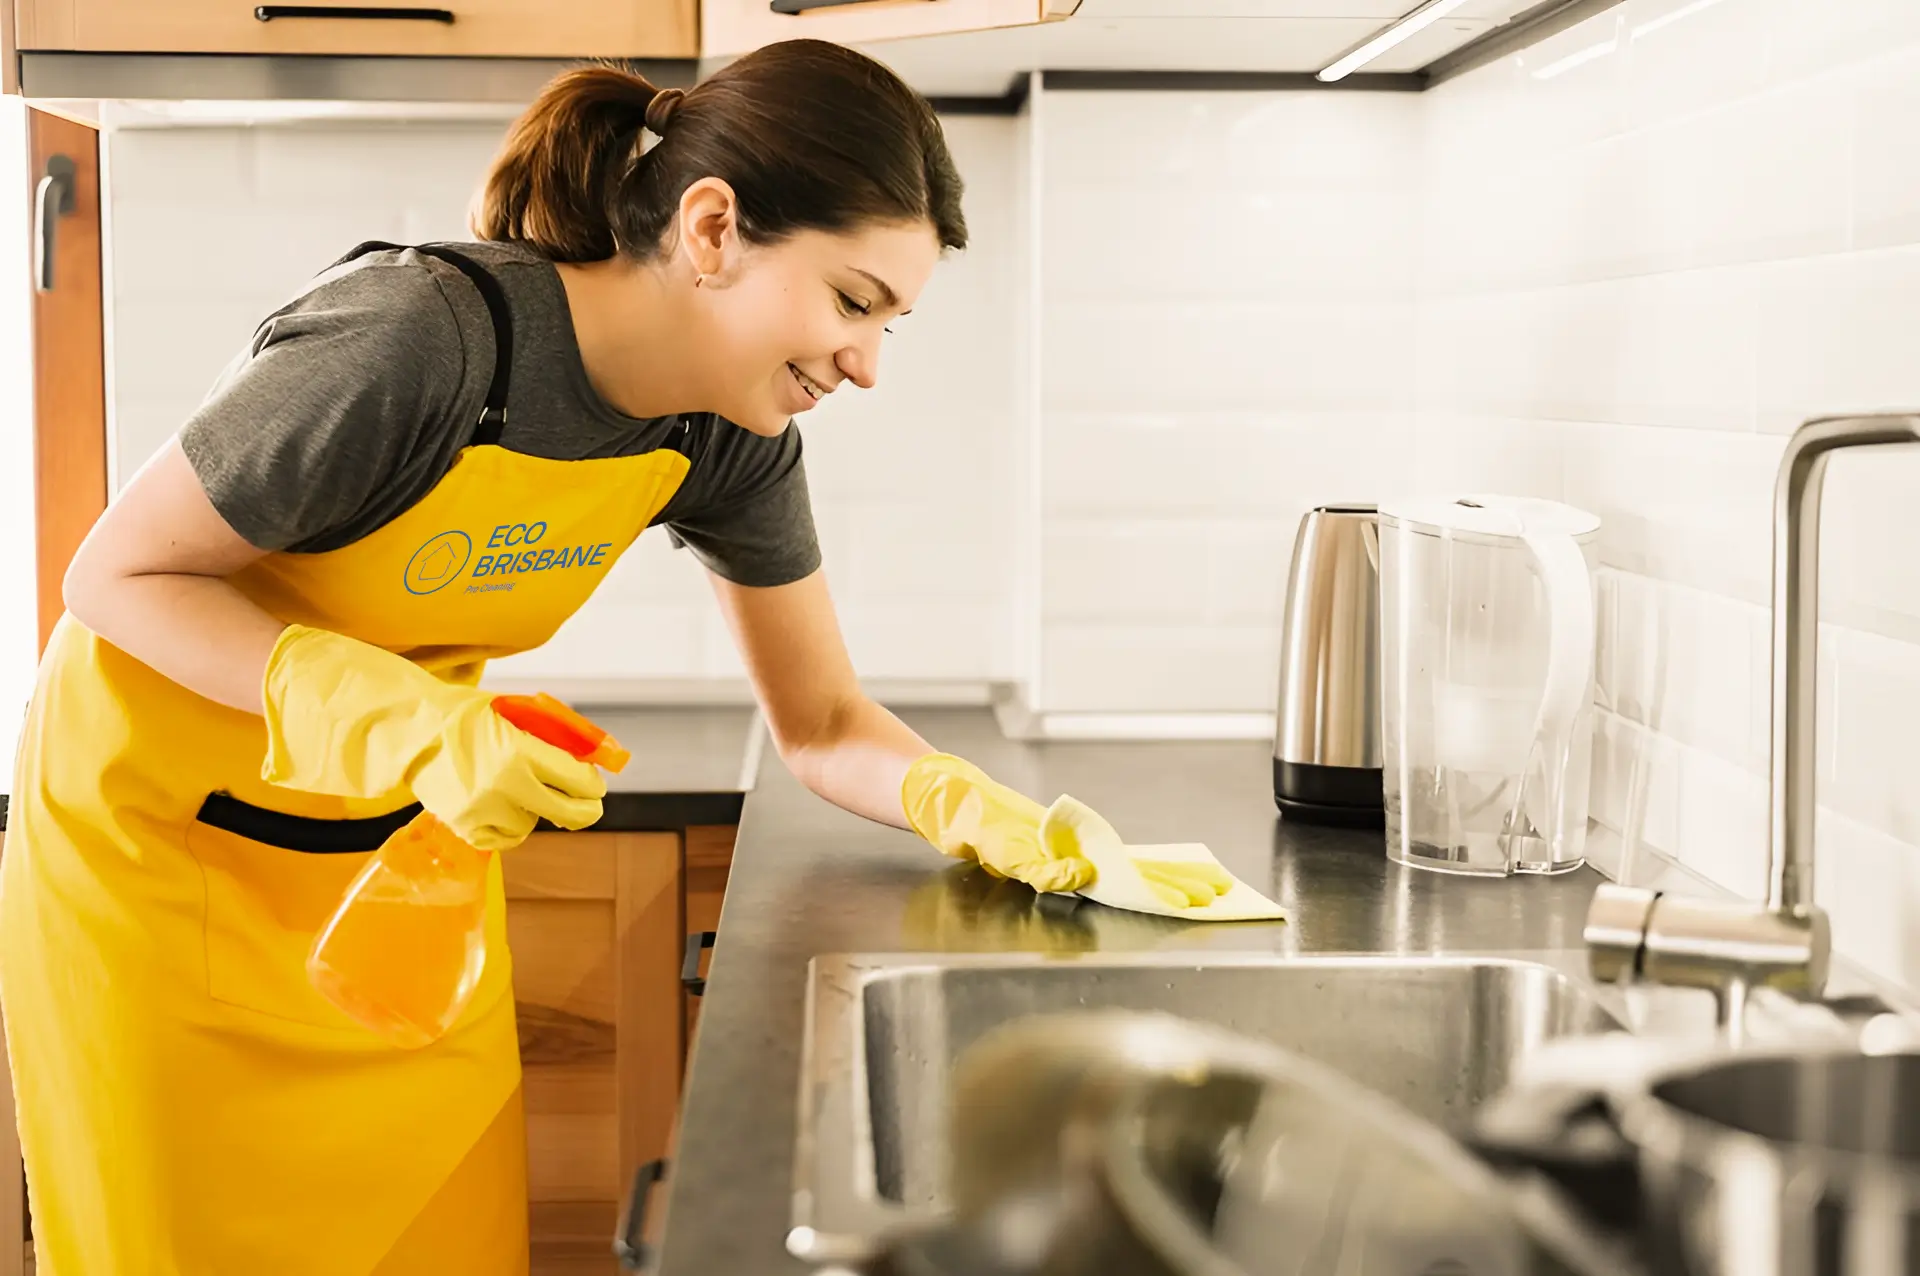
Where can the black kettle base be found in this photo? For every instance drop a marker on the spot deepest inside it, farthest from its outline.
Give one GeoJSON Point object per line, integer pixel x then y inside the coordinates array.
{"type": "Point", "coordinates": [1348, 817]}
{"type": "Point", "coordinates": [1345, 797]}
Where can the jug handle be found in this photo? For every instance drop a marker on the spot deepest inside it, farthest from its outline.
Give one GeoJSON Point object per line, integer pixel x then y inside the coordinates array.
{"type": "Point", "coordinates": [1570, 638]}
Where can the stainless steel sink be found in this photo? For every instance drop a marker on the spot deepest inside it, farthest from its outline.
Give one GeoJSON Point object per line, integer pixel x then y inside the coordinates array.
{"type": "Point", "coordinates": [1438, 1035]}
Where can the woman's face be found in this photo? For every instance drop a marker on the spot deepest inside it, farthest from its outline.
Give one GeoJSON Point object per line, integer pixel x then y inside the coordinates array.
{"type": "Point", "coordinates": [789, 323]}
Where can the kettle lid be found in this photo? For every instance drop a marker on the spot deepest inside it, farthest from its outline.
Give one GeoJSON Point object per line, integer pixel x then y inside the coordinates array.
{"type": "Point", "coordinates": [1482, 514]}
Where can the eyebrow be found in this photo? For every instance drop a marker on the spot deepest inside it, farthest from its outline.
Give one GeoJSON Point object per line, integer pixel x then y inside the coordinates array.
{"type": "Point", "coordinates": [888, 297]}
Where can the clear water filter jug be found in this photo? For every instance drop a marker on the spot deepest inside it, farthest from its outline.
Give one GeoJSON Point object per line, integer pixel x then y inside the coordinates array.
{"type": "Point", "coordinates": [1487, 642]}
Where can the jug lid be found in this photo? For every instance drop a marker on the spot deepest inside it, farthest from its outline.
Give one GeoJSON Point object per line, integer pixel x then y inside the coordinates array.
{"type": "Point", "coordinates": [1482, 514]}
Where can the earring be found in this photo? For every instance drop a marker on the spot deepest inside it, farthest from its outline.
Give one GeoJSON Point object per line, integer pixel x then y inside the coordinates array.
{"type": "Point", "coordinates": [698, 280]}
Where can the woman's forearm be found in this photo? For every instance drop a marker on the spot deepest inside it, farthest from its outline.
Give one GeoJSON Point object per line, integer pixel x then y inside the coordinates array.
{"type": "Point", "coordinates": [199, 631]}
{"type": "Point", "coordinates": [150, 578]}
{"type": "Point", "coordinates": [860, 761]}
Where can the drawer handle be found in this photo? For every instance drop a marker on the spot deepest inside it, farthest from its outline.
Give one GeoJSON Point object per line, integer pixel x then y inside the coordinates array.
{"type": "Point", "coordinates": [690, 964]}
{"type": "Point", "coordinates": [630, 1246]}
{"type": "Point", "coordinates": [268, 12]}
{"type": "Point", "coordinates": [801, 6]}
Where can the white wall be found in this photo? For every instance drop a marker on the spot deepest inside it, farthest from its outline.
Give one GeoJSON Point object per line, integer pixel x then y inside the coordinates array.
{"type": "Point", "coordinates": [19, 624]}
{"type": "Point", "coordinates": [212, 228]}
{"type": "Point", "coordinates": [1652, 247]}
{"type": "Point", "coordinates": [1227, 336]}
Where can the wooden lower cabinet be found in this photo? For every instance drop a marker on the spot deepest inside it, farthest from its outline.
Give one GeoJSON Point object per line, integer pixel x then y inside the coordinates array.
{"type": "Point", "coordinates": [597, 924]}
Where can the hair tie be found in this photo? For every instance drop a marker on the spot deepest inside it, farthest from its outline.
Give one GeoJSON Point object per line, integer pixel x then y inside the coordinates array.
{"type": "Point", "coordinates": [661, 110]}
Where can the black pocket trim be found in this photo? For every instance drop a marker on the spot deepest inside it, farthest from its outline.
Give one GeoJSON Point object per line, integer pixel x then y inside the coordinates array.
{"type": "Point", "coordinates": [299, 832]}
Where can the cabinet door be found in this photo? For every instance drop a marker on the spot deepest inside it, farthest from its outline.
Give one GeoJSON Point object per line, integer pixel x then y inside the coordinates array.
{"type": "Point", "coordinates": [69, 365]}
{"type": "Point", "coordinates": [735, 26]}
{"type": "Point", "coordinates": [500, 28]}
{"type": "Point", "coordinates": [594, 921]}
{"type": "Point", "coordinates": [709, 858]}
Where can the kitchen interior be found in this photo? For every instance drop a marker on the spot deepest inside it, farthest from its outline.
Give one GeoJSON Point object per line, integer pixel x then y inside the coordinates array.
{"type": "Point", "coordinates": [1450, 461]}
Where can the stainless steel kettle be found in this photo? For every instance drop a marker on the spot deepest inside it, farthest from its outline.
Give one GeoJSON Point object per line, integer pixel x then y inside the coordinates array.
{"type": "Point", "coordinates": [1326, 742]}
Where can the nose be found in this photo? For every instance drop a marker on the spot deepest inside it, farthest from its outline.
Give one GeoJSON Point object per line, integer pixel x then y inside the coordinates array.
{"type": "Point", "coordinates": [860, 363]}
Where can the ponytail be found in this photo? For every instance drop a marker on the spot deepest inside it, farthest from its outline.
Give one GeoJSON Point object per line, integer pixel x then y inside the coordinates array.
{"type": "Point", "coordinates": [810, 136]}
{"type": "Point", "coordinates": [548, 187]}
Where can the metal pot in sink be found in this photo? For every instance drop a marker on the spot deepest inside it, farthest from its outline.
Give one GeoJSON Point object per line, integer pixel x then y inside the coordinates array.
{"type": "Point", "coordinates": [1723, 1162]}
{"type": "Point", "coordinates": [1121, 1144]}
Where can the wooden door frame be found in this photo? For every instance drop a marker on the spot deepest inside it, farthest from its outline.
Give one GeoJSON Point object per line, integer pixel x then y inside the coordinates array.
{"type": "Point", "coordinates": [69, 366]}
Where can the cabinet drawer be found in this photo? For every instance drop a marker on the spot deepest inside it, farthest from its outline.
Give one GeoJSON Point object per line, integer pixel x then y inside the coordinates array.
{"type": "Point", "coordinates": [735, 26]}
{"type": "Point", "coordinates": [497, 28]}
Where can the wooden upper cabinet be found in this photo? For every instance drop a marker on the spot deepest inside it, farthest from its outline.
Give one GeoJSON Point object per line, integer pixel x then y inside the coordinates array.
{"type": "Point", "coordinates": [736, 26]}
{"type": "Point", "coordinates": [471, 28]}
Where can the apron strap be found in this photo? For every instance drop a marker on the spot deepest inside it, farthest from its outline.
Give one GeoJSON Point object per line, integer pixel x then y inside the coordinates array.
{"type": "Point", "coordinates": [493, 417]}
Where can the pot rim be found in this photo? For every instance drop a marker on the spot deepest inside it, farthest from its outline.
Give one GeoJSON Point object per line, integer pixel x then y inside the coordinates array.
{"type": "Point", "coordinates": [1656, 1125]}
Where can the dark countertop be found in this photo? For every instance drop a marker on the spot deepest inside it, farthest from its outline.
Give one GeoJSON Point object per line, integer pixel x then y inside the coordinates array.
{"type": "Point", "coordinates": [808, 879]}
{"type": "Point", "coordinates": [689, 767]}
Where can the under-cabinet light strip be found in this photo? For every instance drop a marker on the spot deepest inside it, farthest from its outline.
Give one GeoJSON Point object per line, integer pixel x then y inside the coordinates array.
{"type": "Point", "coordinates": [1411, 25]}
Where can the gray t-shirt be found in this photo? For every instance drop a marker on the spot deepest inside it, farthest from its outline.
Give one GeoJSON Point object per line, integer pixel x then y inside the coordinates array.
{"type": "Point", "coordinates": [353, 400]}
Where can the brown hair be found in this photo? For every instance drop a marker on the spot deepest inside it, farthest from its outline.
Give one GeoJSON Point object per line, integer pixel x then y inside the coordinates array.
{"type": "Point", "coordinates": [810, 135]}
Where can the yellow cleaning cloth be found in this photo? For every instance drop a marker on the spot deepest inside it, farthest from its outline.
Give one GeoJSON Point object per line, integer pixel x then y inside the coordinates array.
{"type": "Point", "coordinates": [1180, 880]}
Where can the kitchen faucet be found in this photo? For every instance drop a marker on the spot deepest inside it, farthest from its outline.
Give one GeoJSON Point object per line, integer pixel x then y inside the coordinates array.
{"type": "Point", "coordinates": [1732, 947]}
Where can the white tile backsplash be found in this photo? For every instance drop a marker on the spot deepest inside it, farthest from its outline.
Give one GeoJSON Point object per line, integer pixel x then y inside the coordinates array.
{"type": "Point", "coordinates": [1228, 355]}
{"type": "Point", "coordinates": [1872, 721]}
{"type": "Point", "coordinates": [1140, 668]}
{"type": "Point", "coordinates": [1125, 570]}
{"type": "Point", "coordinates": [1839, 334]}
{"type": "Point", "coordinates": [1746, 179]}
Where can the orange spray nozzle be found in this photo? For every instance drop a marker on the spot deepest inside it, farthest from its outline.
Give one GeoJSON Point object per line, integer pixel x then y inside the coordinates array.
{"type": "Point", "coordinates": [554, 721]}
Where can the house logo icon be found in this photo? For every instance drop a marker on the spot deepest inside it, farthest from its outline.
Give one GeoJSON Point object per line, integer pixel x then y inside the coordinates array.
{"type": "Point", "coordinates": [438, 563]}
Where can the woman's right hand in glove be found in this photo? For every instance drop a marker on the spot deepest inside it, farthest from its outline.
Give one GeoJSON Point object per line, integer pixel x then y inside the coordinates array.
{"type": "Point", "coordinates": [351, 719]}
{"type": "Point", "coordinates": [966, 814]}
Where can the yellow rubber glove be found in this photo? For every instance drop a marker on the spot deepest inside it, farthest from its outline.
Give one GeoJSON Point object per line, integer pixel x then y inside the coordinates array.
{"type": "Point", "coordinates": [350, 719]}
{"type": "Point", "coordinates": [954, 805]}
{"type": "Point", "coordinates": [1184, 885]}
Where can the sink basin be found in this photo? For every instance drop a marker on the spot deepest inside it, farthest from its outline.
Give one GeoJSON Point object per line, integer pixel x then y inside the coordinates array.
{"type": "Point", "coordinates": [1437, 1035]}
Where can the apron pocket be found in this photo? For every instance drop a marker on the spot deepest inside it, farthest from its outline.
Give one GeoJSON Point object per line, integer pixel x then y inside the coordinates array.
{"type": "Point", "coordinates": [265, 904]}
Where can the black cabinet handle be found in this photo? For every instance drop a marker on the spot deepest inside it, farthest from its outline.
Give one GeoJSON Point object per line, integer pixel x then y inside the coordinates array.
{"type": "Point", "coordinates": [268, 12]}
{"type": "Point", "coordinates": [801, 6]}
{"type": "Point", "coordinates": [630, 1246]}
{"type": "Point", "coordinates": [690, 964]}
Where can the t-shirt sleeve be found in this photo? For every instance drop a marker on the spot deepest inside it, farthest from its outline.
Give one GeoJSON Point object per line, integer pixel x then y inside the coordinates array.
{"type": "Point", "coordinates": [340, 398]}
{"type": "Point", "coordinates": [744, 509]}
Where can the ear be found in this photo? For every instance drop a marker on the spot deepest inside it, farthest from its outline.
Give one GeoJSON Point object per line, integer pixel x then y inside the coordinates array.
{"type": "Point", "coordinates": [709, 226]}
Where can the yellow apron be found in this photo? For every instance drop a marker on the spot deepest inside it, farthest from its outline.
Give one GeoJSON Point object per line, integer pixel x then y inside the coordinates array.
{"type": "Point", "coordinates": [188, 1105]}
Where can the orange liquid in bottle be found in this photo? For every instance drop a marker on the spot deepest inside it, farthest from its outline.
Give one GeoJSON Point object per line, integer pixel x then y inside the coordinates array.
{"type": "Point", "coordinates": [404, 952]}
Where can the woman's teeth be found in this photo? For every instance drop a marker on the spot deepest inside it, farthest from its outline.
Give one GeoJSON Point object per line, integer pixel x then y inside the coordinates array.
{"type": "Point", "coordinates": [814, 389]}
